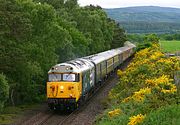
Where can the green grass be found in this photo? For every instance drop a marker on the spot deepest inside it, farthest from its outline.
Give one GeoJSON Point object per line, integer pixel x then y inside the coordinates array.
{"type": "Point", "coordinates": [170, 46]}
{"type": "Point", "coordinates": [11, 113]}
{"type": "Point", "coordinates": [169, 115]}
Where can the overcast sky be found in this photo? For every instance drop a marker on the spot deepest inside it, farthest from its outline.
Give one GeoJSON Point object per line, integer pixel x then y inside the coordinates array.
{"type": "Point", "coordinates": [127, 3]}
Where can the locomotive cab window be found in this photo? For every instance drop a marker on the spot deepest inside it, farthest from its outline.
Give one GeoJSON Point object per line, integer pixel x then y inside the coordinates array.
{"type": "Point", "coordinates": [54, 77]}
{"type": "Point", "coordinates": [67, 77]}
{"type": "Point", "coordinates": [70, 77]}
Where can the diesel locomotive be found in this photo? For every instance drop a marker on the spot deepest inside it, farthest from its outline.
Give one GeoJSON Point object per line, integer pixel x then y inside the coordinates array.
{"type": "Point", "coordinates": [70, 83]}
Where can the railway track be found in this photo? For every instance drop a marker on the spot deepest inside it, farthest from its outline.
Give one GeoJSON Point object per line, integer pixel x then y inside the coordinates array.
{"type": "Point", "coordinates": [81, 108]}
{"type": "Point", "coordinates": [73, 115]}
{"type": "Point", "coordinates": [38, 119]}
{"type": "Point", "coordinates": [54, 118]}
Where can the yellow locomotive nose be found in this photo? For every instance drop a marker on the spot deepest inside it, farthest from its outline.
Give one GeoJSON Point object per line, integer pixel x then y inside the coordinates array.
{"type": "Point", "coordinates": [63, 90]}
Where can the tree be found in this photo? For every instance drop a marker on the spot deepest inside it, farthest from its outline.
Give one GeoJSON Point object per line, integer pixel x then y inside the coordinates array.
{"type": "Point", "coordinates": [152, 38]}
{"type": "Point", "coordinates": [4, 91]}
{"type": "Point", "coordinates": [168, 37]}
{"type": "Point", "coordinates": [37, 34]}
{"type": "Point", "coordinates": [119, 37]}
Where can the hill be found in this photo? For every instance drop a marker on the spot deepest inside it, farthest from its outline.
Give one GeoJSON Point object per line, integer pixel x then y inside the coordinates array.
{"type": "Point", "coordinates": [147, 19]}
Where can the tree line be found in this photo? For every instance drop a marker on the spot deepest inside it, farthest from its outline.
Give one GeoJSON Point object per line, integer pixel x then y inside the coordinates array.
{"type": "Point", "coordinates": [170, 37]}
{"type": "Point", "coordinates": [140, 38]}
{"type": "Point", "coordinates": [150, 27]}
{"type": "Point", "coordinates": [37, 34]}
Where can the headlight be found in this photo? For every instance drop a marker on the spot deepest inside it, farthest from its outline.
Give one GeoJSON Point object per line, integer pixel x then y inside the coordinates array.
{"type": "Point", "coordinates": [61, 87]}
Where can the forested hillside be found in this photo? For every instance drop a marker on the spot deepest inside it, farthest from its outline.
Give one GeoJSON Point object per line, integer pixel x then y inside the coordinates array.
{"type": "Point", "coordinates": [35, 35]}
{"type": "Point", "coordinates": [147, 19]}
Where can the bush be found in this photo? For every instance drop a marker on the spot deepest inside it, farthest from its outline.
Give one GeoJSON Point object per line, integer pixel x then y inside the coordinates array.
{"type": "Point", "coordinates": [143, 46]}
{"type": "Point", "coordinates": [146, 86]}
{"type": "Point", "coordinates": [4, 91]}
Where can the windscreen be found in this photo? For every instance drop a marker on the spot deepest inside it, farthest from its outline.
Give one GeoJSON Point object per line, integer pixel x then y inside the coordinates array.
{"type": "Point", "coordinates": [67, 77]}
{"type": "Point", "coordinates": [54, 77]}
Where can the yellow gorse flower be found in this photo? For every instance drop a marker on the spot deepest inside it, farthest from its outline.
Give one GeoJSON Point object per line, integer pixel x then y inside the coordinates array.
{"type": "Point", "coordinates": [136, 119]}
{"type": "Point", "coordinates": [156, 46]}
{"type": "Point", "coordinates": [164, 79]}
{"type": "Point", "coordinates": [143, 52]}
{"type": "Point", "coordinates": [139, 95]}
{"type": "Point", "coordinates": [172, 89]}
{"type": "Point", "coordinates": [162, 83]}
{"type": "Point", "coordinates": [156, 55]}
{"type": "Point", "coordinates": [119, 73]}
{"type": "Point", "coordinates": [115, 112]}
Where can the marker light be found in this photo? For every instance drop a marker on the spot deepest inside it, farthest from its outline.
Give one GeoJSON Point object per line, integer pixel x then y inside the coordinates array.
{"type": "Point", "coordinates": [61, 87]}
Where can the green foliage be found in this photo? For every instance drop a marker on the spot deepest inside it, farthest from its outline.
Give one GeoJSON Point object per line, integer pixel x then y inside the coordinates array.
{"type": "Point", "coordinates": [152, 38]}
{"type": "Point", "coordinates": [11, 113]}
{"type": "Point", "coordinates": [115, 121]}
{"type": "Point", "coordinates": [170, 37]}
{"type": "Point", "coordinates": [6, 119]}
{"type": "Point", "coordinates": [143, 46]}
{"type": "Point", "coordinates": [119, 37]}
{"type": "Point", "coordinates": [4, 91]}
{"type": "Point", "coordinates": [138, 38]}
{"type": "Point", "coordinates": [147, 27]}
{"type": "Point", "coordinates": [143, 41]}
{"type": "Point", "coordinates": [168, 115]}
{"type": "Point", "coordinates": [36, 34]}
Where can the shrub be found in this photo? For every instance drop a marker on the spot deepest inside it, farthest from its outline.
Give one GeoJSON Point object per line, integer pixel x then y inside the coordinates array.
{"type": "Point", "coordinates": [145, 86]}
{"type": "Point", "coordinates": [143, 46]}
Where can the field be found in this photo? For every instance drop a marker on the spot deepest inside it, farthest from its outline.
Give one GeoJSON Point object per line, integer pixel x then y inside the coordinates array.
{"type": "Point", "coordinates": [170, 46]}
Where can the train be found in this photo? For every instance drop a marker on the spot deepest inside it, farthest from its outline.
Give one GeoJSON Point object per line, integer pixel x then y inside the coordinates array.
{"type": "Point", "coordinates": [71, 83]}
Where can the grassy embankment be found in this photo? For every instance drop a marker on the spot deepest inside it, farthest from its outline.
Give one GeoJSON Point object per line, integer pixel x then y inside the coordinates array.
{"type": "Point", "coordinates": [10, 114]}
{"type": "Point", "coordinates": [170, 46]}
{"type": "Point", "coordinates": [146, 93]}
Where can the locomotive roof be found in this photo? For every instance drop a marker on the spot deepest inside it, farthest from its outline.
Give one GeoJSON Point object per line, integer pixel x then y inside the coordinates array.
{"type": "Point", "coordinates": [77, 66]}
{"type": "Point", "coordinates": [129, 44]}
{"type": "Point", "coordinates": [97, 58]}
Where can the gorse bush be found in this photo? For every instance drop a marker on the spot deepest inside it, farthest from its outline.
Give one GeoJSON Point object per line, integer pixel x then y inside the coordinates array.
{"type": "Point", "coordinates": [146, 86]}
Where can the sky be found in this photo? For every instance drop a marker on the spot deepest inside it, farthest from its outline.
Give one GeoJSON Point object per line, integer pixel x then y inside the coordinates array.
{"type": "Point", "coordinates": [127, 3]}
